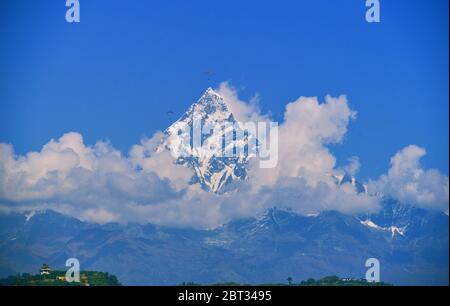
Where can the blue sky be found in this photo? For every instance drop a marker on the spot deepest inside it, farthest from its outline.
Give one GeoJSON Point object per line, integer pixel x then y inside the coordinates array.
{"type": "Point", "coordinates": [116, 74]}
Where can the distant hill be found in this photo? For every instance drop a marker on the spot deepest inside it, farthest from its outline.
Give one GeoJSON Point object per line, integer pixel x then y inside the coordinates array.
{"type": "Point", "coordinates": [411, 245]}
{"type": "Point", "coordinates": [325, 281]}
{"type": "Point", "coordinates": [57, 278]}
{"type": "Point", "coordinates": [336, 281]}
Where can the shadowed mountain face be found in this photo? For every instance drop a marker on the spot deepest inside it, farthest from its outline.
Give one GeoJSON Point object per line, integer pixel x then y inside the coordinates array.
{"type": "Point", "coordinates": [266, 249]}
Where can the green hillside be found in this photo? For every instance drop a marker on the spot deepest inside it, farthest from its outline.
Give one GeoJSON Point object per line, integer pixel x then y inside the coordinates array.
{"type": "Point", "coordinates": [57, 278]}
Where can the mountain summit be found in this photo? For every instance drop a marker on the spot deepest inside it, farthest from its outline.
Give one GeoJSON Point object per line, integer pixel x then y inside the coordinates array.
{"type": "Point", "coordinates": [213, 168]}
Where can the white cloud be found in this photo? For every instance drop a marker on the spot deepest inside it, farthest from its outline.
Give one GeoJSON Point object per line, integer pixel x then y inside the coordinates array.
{"type": "Point", "coordinates": [241, 110]}
{"type": "Point", "coordinates": [407, 181]}
{"type": "Point", "coordinates": [96, 183]}
{"type": "Point", "coordinates": [99, 215]}
{"type": "Point", "coordinates": [149, 159]}
{"type": "Point", "coordinates": [100, 184]}
{"type": "Point", "coordinates": [297, 195]}
{"type": "Point", "coordinates": [352, 167]}
{"type": "Point", "coordinates": [307, 128]}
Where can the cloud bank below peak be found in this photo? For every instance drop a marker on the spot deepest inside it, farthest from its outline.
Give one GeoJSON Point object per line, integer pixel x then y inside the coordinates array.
{"type": "Point", "coordinates": [99, 183]}
{"type": "Point", "coordinates": [408, 182]}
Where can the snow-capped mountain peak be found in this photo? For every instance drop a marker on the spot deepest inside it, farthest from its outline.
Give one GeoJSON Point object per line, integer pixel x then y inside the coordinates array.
{"type": "Point", "coordinates": [210, 104]}
{"type": "Point", "coordinates": [215, 162]}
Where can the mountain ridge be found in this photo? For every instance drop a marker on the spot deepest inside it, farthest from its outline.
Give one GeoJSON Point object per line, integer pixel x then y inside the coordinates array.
{"type": "Point", "coordinates": [267, 248]}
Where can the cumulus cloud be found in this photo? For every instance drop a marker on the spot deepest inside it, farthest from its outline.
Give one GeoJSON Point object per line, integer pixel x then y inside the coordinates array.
{"type": "Point", "coordinates": [100, 184]}
{"type": "Point", "coordinates": [299, 196]}
{"type": "Point", "coordinates": [302, 152]}
{"type": "Point", "coordinates": [147, 157]}
{"type": "Point", "coordinates": [407, 181]}
{"type": "Point", "coordinates": [352, 167]}
{"type": "Point", "coordinates": [243, 111]}
{"type": "Point", "coordinates": [96, 183]}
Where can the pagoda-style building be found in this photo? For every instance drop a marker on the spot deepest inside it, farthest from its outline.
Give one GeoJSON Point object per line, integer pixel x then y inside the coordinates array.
{"type": "Point", "coordinates": [45, 269]}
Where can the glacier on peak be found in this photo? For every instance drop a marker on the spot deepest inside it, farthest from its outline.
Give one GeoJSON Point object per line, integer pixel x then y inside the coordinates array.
{"type": "Point", "coordinates": [392, 229]}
